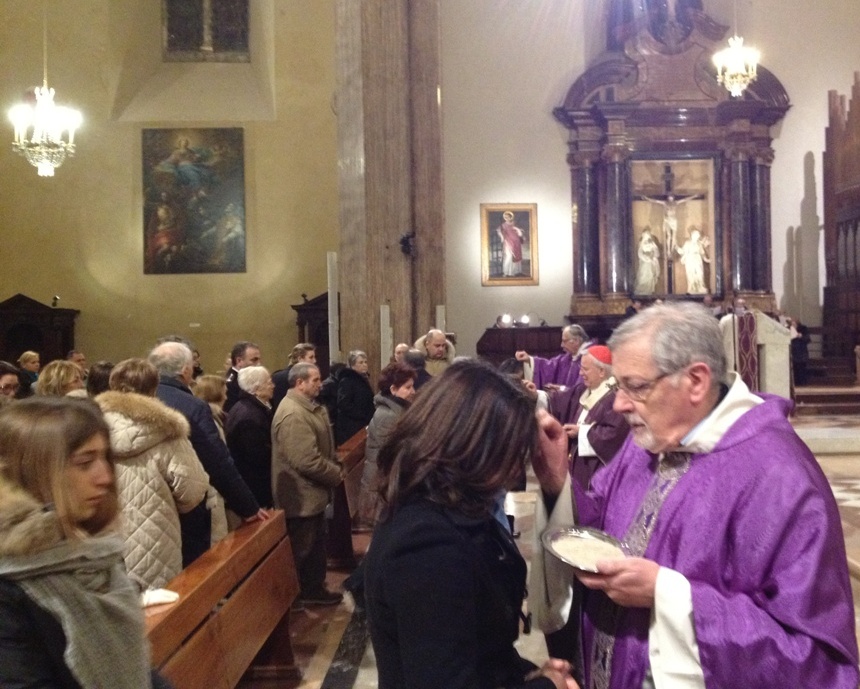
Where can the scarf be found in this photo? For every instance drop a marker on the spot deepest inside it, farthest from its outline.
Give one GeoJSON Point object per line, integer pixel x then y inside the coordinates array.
{"type": "Point", "coordinates": [83, 584]}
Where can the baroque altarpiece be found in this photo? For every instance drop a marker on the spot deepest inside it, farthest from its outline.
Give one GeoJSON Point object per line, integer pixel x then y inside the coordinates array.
{"type": "Point", "coordinates": [670, 176]}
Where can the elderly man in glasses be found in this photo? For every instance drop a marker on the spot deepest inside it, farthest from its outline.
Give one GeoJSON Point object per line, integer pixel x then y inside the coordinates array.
{"type": "Point", "coordinates": [735, 573]}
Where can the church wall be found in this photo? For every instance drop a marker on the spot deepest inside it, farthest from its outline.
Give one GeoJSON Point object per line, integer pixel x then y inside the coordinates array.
{"type": "Point", "coordinates": [507, 64]}
{"type": "Point", "coordinates": [79, 235]}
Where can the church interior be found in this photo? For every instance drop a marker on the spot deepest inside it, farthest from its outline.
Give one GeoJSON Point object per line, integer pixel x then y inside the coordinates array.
{"type": "Point", "coordinates": [376, 146]}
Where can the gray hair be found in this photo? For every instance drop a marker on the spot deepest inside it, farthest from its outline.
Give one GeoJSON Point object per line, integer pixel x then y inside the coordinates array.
{"type": "Point", "coordinates": [299, 371]}
{"type": "Point", "coordinates": [680, 334]}
{"type": "Point", "coordinates": [576, 331]}
{"type": "Point", "coordinates": [251, 378]}
{"type": "Point", "coordinates": [354, 356]}
{"type": "Point", "coordinates": [170, 358]}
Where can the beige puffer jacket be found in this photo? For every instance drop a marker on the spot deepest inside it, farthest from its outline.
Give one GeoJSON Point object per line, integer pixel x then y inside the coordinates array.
{"type": "Point", "coordinates": [158, 475]}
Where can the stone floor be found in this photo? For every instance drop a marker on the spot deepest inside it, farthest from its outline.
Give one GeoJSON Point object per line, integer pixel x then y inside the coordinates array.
{"type": "Point", "coordinates": [331, 647]}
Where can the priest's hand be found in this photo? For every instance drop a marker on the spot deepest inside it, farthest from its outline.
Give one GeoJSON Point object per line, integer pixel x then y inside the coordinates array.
{"type": "Point", "coordinates": [630, 582]}
{"type": "Point", "coordinates": [572, 429]}
{"type": "Point", "coordinates": [550, 462]}
{"type": "Point", "coordinates": [522, 355]}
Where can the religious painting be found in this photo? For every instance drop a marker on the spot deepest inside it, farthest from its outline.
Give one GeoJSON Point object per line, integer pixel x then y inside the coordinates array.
{"type": "Point", "coordinates": [509, 244]}
{"type": "Point", "coordinates": [674, 231]}
{"type": "Point", "coordinates": [193, 201]}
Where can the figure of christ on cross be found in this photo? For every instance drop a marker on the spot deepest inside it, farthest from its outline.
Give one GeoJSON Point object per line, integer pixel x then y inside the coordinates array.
{"type": "Point", "coordinates": [670, 203]}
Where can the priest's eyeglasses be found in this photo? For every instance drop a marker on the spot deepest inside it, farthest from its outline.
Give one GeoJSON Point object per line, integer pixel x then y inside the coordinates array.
{"type": "Point", "coordinates": [640, 390]}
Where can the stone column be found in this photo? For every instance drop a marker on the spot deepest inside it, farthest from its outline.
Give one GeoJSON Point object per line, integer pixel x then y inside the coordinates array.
{"type": "Point", "coordinates": [760, 244]}
{"type": "Point", "coordinates": [585, 223]}
{"type": "Point", "coordinates": [390, 170]}
{"type": "Point", "coordinates": [740, 217]}
{"type": "Point", "coordinates": [618, 232]}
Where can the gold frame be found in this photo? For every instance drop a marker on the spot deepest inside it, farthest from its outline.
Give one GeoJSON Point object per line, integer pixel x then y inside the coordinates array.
{"type": "Point", "coordinates": [492, 247]}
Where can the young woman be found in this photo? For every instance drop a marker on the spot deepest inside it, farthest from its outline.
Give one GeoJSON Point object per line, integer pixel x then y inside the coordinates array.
{"type": "Point", "coordinates": [444, 581]}
{"type": "Point", "coordinates": [69, 615]}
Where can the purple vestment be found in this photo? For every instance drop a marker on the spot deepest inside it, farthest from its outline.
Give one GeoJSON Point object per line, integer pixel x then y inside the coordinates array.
{"type": "Point", "coordinates": [560, 370]}
{"type": "Point", "coordinates": [754, 528]}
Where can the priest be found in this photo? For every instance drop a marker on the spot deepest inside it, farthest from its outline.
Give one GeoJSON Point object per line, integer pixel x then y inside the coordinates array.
{"type": "Point", "coordinates": [735, 574]}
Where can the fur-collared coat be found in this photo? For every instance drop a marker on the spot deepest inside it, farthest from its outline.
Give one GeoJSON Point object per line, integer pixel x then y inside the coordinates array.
{"type": "Point", "coordinates": [158, 475]}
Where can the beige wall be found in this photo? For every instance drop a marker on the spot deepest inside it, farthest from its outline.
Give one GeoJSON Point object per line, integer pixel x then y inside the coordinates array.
{"type": "Point", "coordinates": [79, 234]}
{"type": "Point", "coordinates": [506, 64]}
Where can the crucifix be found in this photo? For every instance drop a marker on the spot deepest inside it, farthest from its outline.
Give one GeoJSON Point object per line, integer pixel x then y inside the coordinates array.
{"type": "Point", "coordinates": [670, 202]}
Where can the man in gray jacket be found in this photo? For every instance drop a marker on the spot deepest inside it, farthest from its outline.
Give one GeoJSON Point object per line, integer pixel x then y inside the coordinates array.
{"type": "Point", "coordinates": [304, 470]}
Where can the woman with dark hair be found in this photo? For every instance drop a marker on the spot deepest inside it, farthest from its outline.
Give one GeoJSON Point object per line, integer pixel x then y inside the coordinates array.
{"type": "Point", "coordinates": [63, 624]}
{"type": "Point", "coordinates": [158, 474]}
{"type": "Point", "coordinates": [444, 581]}
{"type": "Point", "coordinates": [396, 390]}
{"type": "Point", "coordinates": [98, 379]}
{"type": "Point", "coordinates": [354, 398]}
{"type": "Point", "coordinates": [10, 381]}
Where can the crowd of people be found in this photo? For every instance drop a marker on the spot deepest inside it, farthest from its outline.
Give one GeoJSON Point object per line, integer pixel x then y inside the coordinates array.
{"type": "Point", "coordinates": [734, 572]}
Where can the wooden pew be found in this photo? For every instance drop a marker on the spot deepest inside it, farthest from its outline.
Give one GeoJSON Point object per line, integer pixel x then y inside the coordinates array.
{"type": "Point", "coordinates": [233, 610]}
{"type": "Point", "coordinates": [339, 543]}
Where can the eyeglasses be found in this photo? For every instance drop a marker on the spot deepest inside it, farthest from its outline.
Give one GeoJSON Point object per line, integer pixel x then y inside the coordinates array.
{"type": "Point", "coordinates": [639, 391]}
{"type": "Point", "coordinates": [11, 387]}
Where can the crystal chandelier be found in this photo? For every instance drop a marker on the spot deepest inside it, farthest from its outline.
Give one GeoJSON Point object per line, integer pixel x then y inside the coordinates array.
{"type": "Point", "coordinates": [736, 65]}
{"type": "Point", "coordinates": [40, 126]}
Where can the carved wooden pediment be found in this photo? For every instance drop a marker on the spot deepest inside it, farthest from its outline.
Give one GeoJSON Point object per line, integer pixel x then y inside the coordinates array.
{"type": "Point", "coordinates": [670, 83]}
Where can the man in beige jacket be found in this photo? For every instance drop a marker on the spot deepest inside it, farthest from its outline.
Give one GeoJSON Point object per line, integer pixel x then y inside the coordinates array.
{"type": "Point", "coordinates": [304, 470]}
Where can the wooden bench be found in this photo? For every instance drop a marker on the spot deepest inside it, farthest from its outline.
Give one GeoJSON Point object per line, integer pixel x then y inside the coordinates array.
{"type": "Point", "coordinates": [232, 612]}
{"type": "Point", "coordinates": [339, 543]}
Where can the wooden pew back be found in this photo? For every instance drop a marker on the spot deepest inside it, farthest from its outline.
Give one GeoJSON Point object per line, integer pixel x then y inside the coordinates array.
{"type": "Point", "coordinates": [231, 601]}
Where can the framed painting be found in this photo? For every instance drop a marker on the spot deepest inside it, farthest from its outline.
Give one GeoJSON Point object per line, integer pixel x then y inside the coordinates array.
{"type": "Point", "coordinates": [193, 201]}
{"type": "Point", "coordinates": [509, 244]}
{"type": "Point", "coordinates": [676, 238]}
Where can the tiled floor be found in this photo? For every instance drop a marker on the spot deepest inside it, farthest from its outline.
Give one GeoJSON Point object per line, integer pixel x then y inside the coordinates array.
{"type": "Point", "coordinates": [329, 641]}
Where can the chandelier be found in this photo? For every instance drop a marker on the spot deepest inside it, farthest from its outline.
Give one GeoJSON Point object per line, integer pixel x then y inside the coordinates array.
{"type": "Point", "coordinates": [736, 65]}
{"type": "Point", "coordinates": [41, 125]}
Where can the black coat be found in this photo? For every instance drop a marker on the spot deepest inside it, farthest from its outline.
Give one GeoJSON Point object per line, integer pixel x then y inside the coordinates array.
{"type": "Point", "coordinates": [233, 389]}
{"type": "Point", "coordinates": [249, 438]}
{"type": "Point", "coordinates": [444, 594]}
{"type": "Point", "coordinates": [282, 385]}
{"type": "Point", "coordinates": [32, 644]}
{"type": "Point", "coordinates": [216, 460]}
{"type": "Point", "coordinates": [355, 406]}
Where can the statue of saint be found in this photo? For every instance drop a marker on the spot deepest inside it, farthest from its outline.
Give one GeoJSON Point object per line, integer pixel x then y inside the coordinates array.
{"type": "Point", "coordinates": [648, 270]}
{"type": "Point", "coordinates": [694, 255]}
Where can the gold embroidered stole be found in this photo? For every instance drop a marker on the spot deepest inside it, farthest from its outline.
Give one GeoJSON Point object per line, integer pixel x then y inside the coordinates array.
{"type": "Point", "coordinates": [670, 469]}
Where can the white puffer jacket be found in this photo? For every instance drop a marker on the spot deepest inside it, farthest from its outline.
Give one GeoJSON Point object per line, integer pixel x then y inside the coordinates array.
{"type": "Point", "coordinates": [158, 475]}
